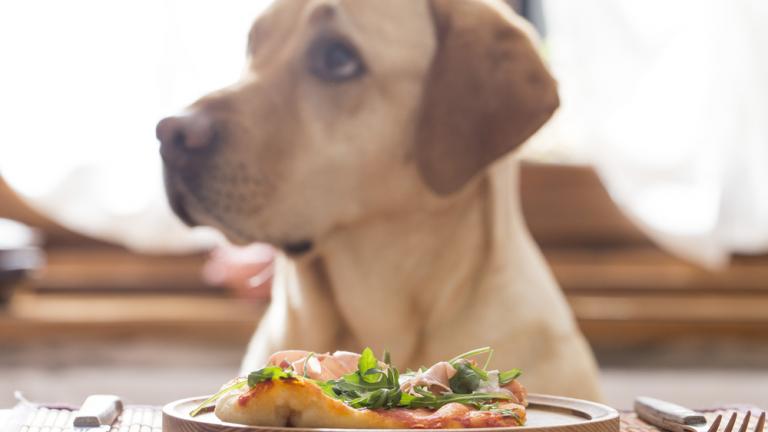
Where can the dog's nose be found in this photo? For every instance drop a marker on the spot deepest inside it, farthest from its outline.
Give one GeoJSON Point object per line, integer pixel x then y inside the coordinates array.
{"type": "Point", "coordinates": [183, 138]}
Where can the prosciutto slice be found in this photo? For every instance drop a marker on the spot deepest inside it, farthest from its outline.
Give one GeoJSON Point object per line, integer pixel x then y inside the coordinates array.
{"type": "Point", "coordinates": [436, 379]}
{"type": "Point", "coordinates": [316, 366]}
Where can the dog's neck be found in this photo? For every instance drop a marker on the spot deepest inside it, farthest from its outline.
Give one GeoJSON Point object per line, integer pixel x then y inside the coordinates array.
{"type": "Point", "coordinates": [394, 279]}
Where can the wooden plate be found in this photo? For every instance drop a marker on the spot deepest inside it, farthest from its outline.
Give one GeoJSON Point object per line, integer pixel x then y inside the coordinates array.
{"type": "Point", "coordinates": [545, 414]}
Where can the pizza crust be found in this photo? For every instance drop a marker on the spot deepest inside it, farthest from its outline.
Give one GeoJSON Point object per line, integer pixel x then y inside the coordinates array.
{"type": "Point", "coordinates": [294, 402]}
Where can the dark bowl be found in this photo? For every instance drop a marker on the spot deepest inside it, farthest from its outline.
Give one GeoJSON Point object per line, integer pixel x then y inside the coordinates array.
{"type": "Point", "coordinates": [8, 282]}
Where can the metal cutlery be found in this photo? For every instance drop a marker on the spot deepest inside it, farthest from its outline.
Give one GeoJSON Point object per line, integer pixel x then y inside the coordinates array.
{"type": "Point", "coordinates": [676, 418]}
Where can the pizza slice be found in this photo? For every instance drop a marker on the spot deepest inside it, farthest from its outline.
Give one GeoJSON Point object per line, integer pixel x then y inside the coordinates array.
{"type": "Point", "coordinates": [349, 390]}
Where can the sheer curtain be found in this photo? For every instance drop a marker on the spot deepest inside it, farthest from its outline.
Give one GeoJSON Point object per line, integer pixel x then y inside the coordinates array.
{"type": "Point", "coordinates": [82, 86]}
{"type": "Point", "coordinates": [669, 100]}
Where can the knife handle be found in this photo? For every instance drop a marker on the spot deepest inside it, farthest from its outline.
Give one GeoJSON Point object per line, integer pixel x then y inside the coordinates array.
{"type": "Point", "coordinates": [665, 414]}
{"type": "Point", "coordinates": [98, 410]}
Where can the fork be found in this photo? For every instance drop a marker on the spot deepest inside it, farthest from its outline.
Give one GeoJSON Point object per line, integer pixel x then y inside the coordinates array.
{"type": "Point", "coordinates": [676, 418]}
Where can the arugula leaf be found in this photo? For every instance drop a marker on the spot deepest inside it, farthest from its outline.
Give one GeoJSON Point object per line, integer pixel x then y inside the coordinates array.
{"type": "Point", "coordinates": [488, 359]}
{"type": "Point", "coordinates": [472, 353]}
{"type": "Point", "coordinates": [367, 361]}
{"type": "Point", "coordinates": [480, 371]}
{"type": "Point", "coordinates": [435, 401]}
{"type": "Point", "coordinates": [507, 377]}
{"type": "Point", "coordinates": [489, 406]}
{"type": "Point", "coordinates": [467, 378]}
{"type": "Point", "coordinates": [406, 399]}
{"type": "Point", "coordinates": [381, 398]}
{"type": "Point", "coordinates": [368, 367]}
{"type": "Point", "coordinates": [268, 373]}
{"type": "Point", "coordinates": [327, 388]}
{"type": "Point", "coordinates": [465, 381]}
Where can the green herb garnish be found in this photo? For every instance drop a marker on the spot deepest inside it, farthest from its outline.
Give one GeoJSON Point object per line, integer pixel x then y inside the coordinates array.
{"type": "Point", "coordinates": [475, 352]}
{"type": "Point", "coordinates": [268, 373]}
{"type": "Point", "coordinates": [368, 368]}
{"type": "Point", "coordinates": [436, 401]}
{"type": "Point", "coordinates": [507, 377]}
{"type": "Point", "coordinates": [369, 386]}
{"type": "Point", "coordinates": [467, 378]}
{"type": "Point", "coordinates": [376, 385]}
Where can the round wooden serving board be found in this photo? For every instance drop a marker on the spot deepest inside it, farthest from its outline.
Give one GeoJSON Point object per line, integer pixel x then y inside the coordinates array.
{"type": "Point", "coordinates": [545, 414]}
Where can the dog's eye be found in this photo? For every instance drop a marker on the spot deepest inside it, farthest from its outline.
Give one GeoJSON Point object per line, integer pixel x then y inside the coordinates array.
{"type": "Point", "coordinates": [334, 60]}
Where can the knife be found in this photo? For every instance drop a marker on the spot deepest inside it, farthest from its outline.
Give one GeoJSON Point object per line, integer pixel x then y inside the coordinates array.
{"type": "Point", "coordinates": [669, 416]}
{"type": "Point", "coordinates": [97, 413]}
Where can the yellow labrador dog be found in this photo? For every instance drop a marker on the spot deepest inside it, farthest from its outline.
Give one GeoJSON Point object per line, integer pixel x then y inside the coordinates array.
{"type": "Point", "coordinates": [369, 140]}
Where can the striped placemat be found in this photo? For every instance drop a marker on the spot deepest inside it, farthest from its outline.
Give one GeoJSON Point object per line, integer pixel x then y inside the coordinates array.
{"type": "Point", "coordinates": [139, 418]}
{"type": "Point", "coordinates": [630, 422]}
{"type": "Point", "coordinates": [135, 418]}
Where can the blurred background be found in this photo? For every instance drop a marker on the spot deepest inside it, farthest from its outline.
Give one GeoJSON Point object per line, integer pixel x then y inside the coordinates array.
{"type": "Point", "coordinates": [648, 193]}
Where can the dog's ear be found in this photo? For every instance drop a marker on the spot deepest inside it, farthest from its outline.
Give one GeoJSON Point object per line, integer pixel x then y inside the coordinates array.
{"type": "Point", "coordinates": [488, 91]}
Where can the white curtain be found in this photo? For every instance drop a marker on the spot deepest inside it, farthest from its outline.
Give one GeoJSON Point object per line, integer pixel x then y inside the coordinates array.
{"type": "Point", "coordinates": [83, 83]}
{"type": "Point", "coordinates": [669, 100]}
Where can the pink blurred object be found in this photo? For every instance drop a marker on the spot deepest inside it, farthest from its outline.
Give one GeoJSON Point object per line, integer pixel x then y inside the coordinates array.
{"type": "Point", "coordinates": [247, 270]}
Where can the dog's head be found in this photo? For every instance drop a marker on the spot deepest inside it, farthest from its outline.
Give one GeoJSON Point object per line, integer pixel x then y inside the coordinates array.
{"type": "Point", "coordinates": [352, 109]}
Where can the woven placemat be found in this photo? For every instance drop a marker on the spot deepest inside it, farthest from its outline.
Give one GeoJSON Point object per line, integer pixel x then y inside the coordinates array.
{"type": "Point", "coordinates": [135, 418]}
{"type": "Point", "coordinates": [630, 422]}
{"type": "Point", "coordinates": [149, 419]}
